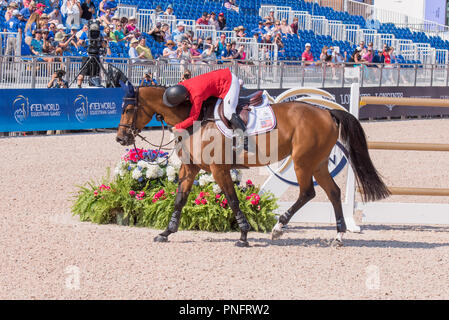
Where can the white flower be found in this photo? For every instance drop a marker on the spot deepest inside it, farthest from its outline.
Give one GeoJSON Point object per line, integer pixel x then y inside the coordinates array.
{"type": "Point", "coordinates": [152, 172]}
{"type": "Point", "coordinates": [159, 172]}
{"type": "Point", "coordinates": [122, 173]}
{"type": "Point", "coordinates": [171, 171]}
{"type": "Point", "coordinates": [136, 174]}
{"type": "Point", "coordinates": [236, 175]}
{"type": "Point", "coordinates": [216, 188]}
{"type": "Point", "coordinates": [142, 164]}
{"type": "Point", "coordinates": [175, 162]}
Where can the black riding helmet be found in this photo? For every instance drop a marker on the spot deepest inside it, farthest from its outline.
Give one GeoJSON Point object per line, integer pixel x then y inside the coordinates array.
{"type": "Point", "coordinates": [175, 95]}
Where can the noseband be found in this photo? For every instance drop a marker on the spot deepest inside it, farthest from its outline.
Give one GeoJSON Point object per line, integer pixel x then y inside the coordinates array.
{"type": "Point", "coordinates": [134, 101]}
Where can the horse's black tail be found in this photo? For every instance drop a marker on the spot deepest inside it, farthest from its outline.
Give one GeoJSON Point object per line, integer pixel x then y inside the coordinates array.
{"type": "Point", "coordinates": [353, 137]}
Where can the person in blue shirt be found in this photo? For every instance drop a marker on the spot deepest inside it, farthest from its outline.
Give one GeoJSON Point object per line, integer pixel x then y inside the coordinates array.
{"type": "Point", "coordinates": [148, 80]}
{"type": "Point", "coordinates": [26, 12]}
{"type": "Point", "coordinates": [260, 29]}
{"type": "Point", "coordinates": [13, 25]}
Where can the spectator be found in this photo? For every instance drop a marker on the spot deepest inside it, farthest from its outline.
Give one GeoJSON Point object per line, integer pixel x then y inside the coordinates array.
{"type": "Point", "coordinates": [107, 19]}
{"type": "Point", "coordinates": [324, 56]}
{"type": "Point", "coordinates": [55, 16]}
{"type": "Point", "coordinates": [356, 58]}
{"type": "Point", "coordinates": [241, 32]}
{"type": "Point", "coordinates": [82, 34]}
{"type": "Point", "coordinates": [101, 8]}
{"type": "Point", "coordinates": [148, 80]}
{"type": "Point", "coordinates": [295, 25]}
{"type": "Point", "coordinates": [276, 29]}
{"type": "Point", "coordinates": [169, 11]}
{"type": "Point", "coordinates": [53, 4]}
{"type": "Point", "coordinates": [124, 22]}
{"type": "Point", "coordinates": [13, 25]}
{"type": "Point", "coordinates": [184, 52]}
{"type": "Point", "coordinates": [221, 21]}
{"type": "Point", "coordinates": [208, 54]}
{"type": "Point", "coordinates": [213, 20]}
{"type": "Point", "coordinates": [30, 27]}
{"type": "Point", "coordinates": [132, 28]}
{"type": "Point", "coordinates": [37, 46]}
{"type": "Point", "coordinates": [178, 34]}
{"type": "Point", "coordinates": [278, 40]}
{"type": "Point", "coordinates": [143, 51]}
{"type": "Point", "coordinates": [62, 40]}
{"type": "Point", "coordinates": [285, 28]}
{"type": "Point", "coordinates": [47, 48]}
{"type": "Point", "coordinates": [73, 13]}
{"type": "Point", "coordinates": [158, 11]}
{"type": "Point", "coordinates": [189, 37]}
{"type": "Point", "coordinates": [187, 75]}
{"type": "Point", "coordinates": [107, 31]}
{"type": "Point", "coordinates": [88, 9]}
{"type": "Point", "coordinates": [227, 54]}
{"type": "Point", "coordinates": [240, 54]}
{"type": "Point", "coordinates": [267, 38]}
{"type": "Point", "coordinates": [9, 10]}
{"type": "Point", "coordinates": [170, 53]}
{"type": "Point", "coordinates": [132, 52]}
{"type": "Point", "coordinates": [378, 58]}
{"type": "Point", "coordinates": [368, 56]}
{"type": "Point", "coordinates": [28, 11]}
{"type": "Point", "coordinates": [337, 58]}
{"type": "Point", "coordinates": [307, 56]}
{"type": "Point", "coordinates": [363, 49]}
{"type": "Point", "coordinates": [259, 30]}
{"type": "Point", "coordinates": [230, 5]}
{"type": "Point", "coordinates": [194, 52]}
{"type": "Point", "coordinates": [167, 33]}
{"type": "Point", "coordinates": [203, 20]}
{"type": "Point", "coordinates": [51, 31]}
{"type": "Point", "coordinates": [270, 16]}
{"type": "Point", "coordinates": [40, 8]}
{"type": "Point", "coordinates": [118, 35]}
{"type": "Point", "coordinates": [268, 26]}
{"type": "Point", "coordinates": [220, 45]}
{"type": "Point", "coordinates": [43, 21]}
{"type": "Point", "coordinates": [111, 4]}
{"type": "Point", "coordinates": [157, 33]}
{"type": "Point", "coordinates": [57, 80]}
{"type": "Point", "coordinates": [256, 37]}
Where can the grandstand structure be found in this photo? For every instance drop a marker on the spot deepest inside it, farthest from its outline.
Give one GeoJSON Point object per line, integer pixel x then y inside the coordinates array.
{"type": "Point", "coordinates": [421, 46]}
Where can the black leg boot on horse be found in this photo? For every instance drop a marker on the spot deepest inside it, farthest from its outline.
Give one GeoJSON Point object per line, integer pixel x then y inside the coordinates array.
{"type": "Point", "coordinates": [238, 124]}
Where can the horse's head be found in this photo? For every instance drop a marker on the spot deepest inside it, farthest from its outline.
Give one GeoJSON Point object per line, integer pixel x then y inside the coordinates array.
{"type": "Point", "coordinates": [135, 115]}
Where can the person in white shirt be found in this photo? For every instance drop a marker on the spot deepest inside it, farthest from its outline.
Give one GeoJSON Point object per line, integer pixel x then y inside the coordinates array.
{"type": "Point", "coordinates": [133, 54]}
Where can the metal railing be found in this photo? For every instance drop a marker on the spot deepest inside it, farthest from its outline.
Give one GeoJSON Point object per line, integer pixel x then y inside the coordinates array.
{"type": "Point", "coordinates": [30, 72]}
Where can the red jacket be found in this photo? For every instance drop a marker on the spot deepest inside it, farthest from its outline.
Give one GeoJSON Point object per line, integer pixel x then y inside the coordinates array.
{"type": "Point", "coordinates": [202, 87]}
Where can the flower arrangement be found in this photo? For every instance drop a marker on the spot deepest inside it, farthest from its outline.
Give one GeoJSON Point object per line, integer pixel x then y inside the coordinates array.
{"type": "Point", "coordinates": [143, 189]}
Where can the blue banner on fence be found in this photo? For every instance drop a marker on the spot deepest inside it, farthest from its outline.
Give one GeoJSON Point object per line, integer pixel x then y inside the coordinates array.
{"type": "Point", "coordinates": [60, 109]}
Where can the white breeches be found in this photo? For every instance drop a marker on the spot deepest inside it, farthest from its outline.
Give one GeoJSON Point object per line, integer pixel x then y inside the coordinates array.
{"type": "Point", "coordinates": [232, 98]}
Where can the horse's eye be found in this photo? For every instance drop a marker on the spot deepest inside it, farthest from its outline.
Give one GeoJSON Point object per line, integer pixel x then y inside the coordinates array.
{"type": "Point", "coordinates": [129, 111]}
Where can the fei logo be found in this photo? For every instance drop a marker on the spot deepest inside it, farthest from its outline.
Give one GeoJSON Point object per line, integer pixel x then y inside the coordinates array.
{"type": "Point", "coordinates": [81, 108]}
{"type": "Point", "coordinates": [21, 107]}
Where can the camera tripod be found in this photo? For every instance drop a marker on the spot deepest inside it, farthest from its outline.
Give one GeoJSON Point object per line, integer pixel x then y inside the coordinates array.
{"type": "Point", "coordinates": [93, 62]}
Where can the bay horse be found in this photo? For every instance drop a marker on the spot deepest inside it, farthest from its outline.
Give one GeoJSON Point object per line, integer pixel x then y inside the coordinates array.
{"type": "Point", "coordinates": [304, 132]}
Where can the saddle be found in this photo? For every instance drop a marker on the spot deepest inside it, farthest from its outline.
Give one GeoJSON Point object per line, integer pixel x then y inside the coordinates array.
{"type": "Point", "coordinates": [243, 107]}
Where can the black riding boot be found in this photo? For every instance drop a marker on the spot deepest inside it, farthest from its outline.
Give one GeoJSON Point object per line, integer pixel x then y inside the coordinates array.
{"type": "Point", "coordinates": [237, 123]}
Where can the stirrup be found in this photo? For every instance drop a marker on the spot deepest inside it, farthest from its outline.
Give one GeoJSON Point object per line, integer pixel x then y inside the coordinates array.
{"type": "Point", "coordinates": [237, 122]}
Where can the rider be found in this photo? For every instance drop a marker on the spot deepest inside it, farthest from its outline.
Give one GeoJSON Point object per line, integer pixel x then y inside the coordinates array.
{"type": "Point", "coordinates": [222, 84]}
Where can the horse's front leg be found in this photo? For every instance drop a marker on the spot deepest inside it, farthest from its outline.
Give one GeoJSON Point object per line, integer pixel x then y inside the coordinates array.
{"type": "Point", "coordinates": [223, 178]}
{"type": "Point", "coordinates": [187, 175]}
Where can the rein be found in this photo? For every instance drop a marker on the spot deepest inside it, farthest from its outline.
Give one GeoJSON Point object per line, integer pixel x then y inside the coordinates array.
{"type": "Point", "coordinates": [134, 101]}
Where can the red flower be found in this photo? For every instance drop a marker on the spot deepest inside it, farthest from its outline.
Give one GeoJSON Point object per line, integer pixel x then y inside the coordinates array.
{"type": "Point", "coordinates": [132, 193]}
{"type": "Point", "coordinates": [249, 183]}
{"type": "Point", "coordinates": [203, 201]}
{"type": "Point", "coordinates": [217, 196]}
{"type": "Point", "coordinates": [198, 202]}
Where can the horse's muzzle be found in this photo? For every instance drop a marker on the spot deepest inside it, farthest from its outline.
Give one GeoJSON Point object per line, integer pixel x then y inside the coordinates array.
{"type": "Point", "coordinates": [125, 140]}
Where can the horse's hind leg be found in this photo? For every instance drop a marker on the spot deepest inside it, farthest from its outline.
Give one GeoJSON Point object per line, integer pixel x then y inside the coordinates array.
{"type": "Point", "coordinates": [187, 175]}
{"type": "Point", "coordinates": [223, 178]}
{"type": "Point", "coordinates": [306, 193]}
{"type": "Point", "coordinates": [328, 184]}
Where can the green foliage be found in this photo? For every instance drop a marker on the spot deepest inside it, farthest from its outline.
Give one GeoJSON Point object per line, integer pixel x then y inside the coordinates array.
{"type": "Point", "coordinates": [150, 202]}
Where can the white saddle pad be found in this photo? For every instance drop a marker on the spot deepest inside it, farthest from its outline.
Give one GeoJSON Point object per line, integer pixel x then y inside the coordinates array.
{"type": "Point", "coordinates": [261, 119]}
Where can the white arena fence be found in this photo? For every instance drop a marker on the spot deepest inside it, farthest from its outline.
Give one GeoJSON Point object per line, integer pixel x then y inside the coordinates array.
{"type": "Point", "coordinates": [32, 72]}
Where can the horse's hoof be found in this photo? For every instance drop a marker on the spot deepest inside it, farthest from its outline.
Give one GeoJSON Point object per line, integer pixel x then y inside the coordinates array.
{"type": "Point", "coordinates": [338, 241]}
{"type": "Point", "coordinates": [242, 244]}
{"type": "Point", "coordinates": [161, 238]}
{"type": "Point", "coordinates": [277, 231]}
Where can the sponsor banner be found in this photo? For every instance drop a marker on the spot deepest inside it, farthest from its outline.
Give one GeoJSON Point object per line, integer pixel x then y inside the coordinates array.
{"type": "Point", "coordinates": [60, 109]}
{"type": "Point", "coordinates": [343, 97]}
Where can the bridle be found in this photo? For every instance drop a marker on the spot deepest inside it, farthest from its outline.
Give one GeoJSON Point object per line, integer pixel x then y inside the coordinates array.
{"type": "Point", "coordinates": [134, 101]}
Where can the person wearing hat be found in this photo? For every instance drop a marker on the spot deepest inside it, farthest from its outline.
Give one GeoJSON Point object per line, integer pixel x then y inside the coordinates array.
{"type": "Point", "coordinates": [40, 7]}
{"type": "Point", "coordinates": [241, 32]}
{"type": "Point", "coordinates": [178, 34]}
{"type": "Point", "coordinates": [9, 10]}
{"type": "Point", "coordinates": [13, 25]}
{"type": "Point", "coordinates": [307, 56]}
{"type": "Point", "coordinates": [157, 33]}
{"type": "Point", "coordinates": [268, 26]}
{"type": "Point", "coordinates": [208, 53]}
{"type": "Point", "coordinates": [148, 80]}
{"type": "Point", "coordinates": [73, 13]}
{"type": "Point", "coordinates": [88, 9]}
{"type": "Point", "coordinates": [271, 16]}
{"type": "Point", "coordinates": [27, 11]}
{"type": "Point", "coordinates": [131, 27]}
{"type": "Point", "coordinates": [221, 21]}
{"type": "Point", "coordinates": [259, 30]}
{"type": "Point", "coordinates": [132, 52]}
{"type": "Point", "coordinates": [169, 10]}
{"type": "Point", "coordinates": [43, 21]}
{"type": "Point", "coordinates": [221, 83]}
{"type": "Point", "coordinates": [170, 53]}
